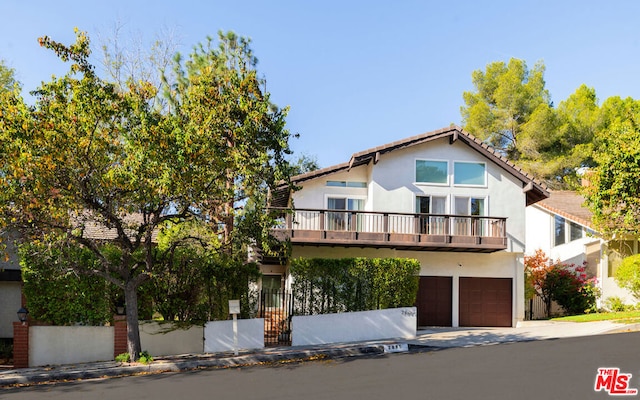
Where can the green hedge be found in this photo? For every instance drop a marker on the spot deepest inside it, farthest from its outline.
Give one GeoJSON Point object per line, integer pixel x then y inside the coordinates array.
{"type": "Point", "coordinates": [59, 296]}
{"type": "Point", "coordinates": [323, 285]}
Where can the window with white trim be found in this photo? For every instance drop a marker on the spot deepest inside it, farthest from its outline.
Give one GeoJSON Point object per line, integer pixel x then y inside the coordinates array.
{"type": "Point", "coordinates": [350, 184]}
{"type": "Point", "coordinates": [469, 173]}
{"type": "Point", "coordinates": [432, 224]}
{"type": "Point", "coordinates": [464, 207]}
{"type": "Point", "coordinates": [432, 171]}
{"type": "Point", "coordinates": [565, 231]}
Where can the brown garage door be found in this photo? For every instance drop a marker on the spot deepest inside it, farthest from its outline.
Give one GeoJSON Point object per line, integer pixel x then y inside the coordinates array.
{"type": "Point", "coordinates": [485, 302]}
{"type": "Point", "coordinates": [434, 301]}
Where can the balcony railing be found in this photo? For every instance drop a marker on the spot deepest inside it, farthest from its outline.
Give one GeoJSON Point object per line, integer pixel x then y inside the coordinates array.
{"type": "Point", "coordinates": [441, 232]}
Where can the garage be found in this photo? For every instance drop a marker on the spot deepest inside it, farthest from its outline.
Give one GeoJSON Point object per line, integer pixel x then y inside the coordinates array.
{"type": "Point", "coordinates": [485, 302]}
{"type": "Point", "coordinates": [434, 301]}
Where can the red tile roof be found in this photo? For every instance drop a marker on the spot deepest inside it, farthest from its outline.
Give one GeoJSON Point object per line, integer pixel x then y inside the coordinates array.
{"type": "Point", "coordinates": [568, 204]}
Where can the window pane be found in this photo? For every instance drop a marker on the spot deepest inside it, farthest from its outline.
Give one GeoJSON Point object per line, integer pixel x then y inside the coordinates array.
{"type": "Point", "coordinates": [431, 171]}
{"type": "Point", "coordinates": [462, 206]}
{"type": "Point", "coordinates": [337, 204]}
{"type": "Point", "coordinates": [356, 204]}
{"type": "Point", "coordinates": [357, 184]}
{"type": "Point", "coordinates": [422, 205]}
{"type": "Point", "coordinates": [468, 173]}
{"type": "Point", "coordinates": [439, 205]}
{"type": "Point", "coordinates": [575, 231]}
{"type": "Point", "coordinates": [337, 183]}
{"type": "Point", "coordinates": [477, 206]}
{"type": "Point", "coordinates": [559, 235]}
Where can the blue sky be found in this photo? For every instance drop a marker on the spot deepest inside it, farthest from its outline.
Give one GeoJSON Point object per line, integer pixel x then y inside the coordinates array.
{"type": "Point", "coordinates": [358, 74]}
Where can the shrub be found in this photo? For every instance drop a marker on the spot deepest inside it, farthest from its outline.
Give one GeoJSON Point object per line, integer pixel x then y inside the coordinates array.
{"type": "Point", "coordinates": [566, 284]}
{"type": "Point", "coordinates": [571, 290]}
{"type": "Point", "coordinates": [145, 357]}
{"type": "Point", "coordinates": [123, 358]}
{"type": "Point", "coordinates": [628, 274]}
{"type": "Point", "coordinates": [615, 303]}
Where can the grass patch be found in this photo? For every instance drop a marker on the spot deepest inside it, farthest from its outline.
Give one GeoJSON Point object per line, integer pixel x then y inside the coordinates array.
{"type": "Point", "coordinates": [625, 317]}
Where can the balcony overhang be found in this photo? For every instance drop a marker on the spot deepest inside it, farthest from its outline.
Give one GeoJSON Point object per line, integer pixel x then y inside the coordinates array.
{"type": "Point", "coordinates": [400, 231]}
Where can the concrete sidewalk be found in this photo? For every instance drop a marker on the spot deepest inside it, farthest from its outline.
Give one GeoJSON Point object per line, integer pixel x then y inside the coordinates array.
{"type": "Point", "coordinates": [426, 339]}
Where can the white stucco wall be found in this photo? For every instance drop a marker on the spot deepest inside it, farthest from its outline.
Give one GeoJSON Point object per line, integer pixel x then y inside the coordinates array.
{"type": "Point", "coordinates": [354, 326]}
{"type": "Point", "coordinates": [538, 229]}
{"type": "Point", "coordinates": [218, 335]}
{"type": "Point", "coordinates": [10, 303]}
{"type": "Point", "coordinates": [52, 345]}
{"type": "Point", "coordinates": [162, 339]}
{"type": "Point", "coordinates": [315, 192]}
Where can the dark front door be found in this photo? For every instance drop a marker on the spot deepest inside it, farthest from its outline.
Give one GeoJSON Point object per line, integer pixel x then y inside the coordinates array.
{"type": "Point", "coordinates": [434, 301]}
{"type": "Point", "coordinates": [485, 302]}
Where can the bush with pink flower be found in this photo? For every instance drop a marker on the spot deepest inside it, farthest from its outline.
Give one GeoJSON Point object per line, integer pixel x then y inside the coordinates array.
{"type": "Point", "coordinates": [566, 284]}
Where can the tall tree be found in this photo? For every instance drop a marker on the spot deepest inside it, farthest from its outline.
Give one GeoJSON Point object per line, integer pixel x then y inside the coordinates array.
{"type": "Point", "coordinates": [505, 97]}
{"type": "Point", "coordinates": [219, 108]}
{"type": "Point", "coordinates": [557, 143]}
{"type": "Point", "coordinates": [613, 193]}
{"type": "Point", "coordinates": [91, 154]}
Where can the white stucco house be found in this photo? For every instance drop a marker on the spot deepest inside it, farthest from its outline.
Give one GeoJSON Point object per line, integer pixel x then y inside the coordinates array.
{"type": "Point", "coordinates": [561, 227]}
{"type": "Point", "coordinates": [444, 198]}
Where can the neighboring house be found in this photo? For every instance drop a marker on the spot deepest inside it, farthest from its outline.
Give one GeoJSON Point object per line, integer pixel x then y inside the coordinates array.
{"type": "Point", "coordinates": [10, 286]}
{"type": "Point", "coordinates": [561, 226]}
{"type": "Point", "coordinates": [444, 198]}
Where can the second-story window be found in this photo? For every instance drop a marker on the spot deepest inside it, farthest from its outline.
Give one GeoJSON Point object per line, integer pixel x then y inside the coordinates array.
{"type": "Point", "coordinates": [432, 171]}
{"type": "Point", "coordinates": [469, 173]}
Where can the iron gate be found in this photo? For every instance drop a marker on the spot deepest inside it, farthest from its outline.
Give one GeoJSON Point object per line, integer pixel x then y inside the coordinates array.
{"type": "Point", "coordinates": [276, 307]}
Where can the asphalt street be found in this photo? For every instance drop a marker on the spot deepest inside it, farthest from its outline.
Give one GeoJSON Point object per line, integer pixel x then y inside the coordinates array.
{"type": "Point", "coordinates": [545, 369]}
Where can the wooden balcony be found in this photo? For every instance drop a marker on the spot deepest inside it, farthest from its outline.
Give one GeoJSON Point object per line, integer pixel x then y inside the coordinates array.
{"type": "Point", "coordinates": [424, 232]}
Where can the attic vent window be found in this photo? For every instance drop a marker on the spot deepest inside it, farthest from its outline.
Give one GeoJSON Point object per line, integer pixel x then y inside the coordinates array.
{"type": "Point", "coordinates": [347, 184]}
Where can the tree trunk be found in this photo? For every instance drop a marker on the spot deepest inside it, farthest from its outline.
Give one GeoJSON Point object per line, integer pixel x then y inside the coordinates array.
{"type": "Point", "coordinates": [133, 332]}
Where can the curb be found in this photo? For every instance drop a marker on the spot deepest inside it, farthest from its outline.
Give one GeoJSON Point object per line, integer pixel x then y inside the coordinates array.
{"type": "Point", "coordinates": [112, 369]}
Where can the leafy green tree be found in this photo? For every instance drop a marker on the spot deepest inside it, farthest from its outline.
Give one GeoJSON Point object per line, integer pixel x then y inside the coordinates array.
{"type": "Point", "coordinates": [303, 164]}
{"type": "Point", "coordinates": [505, 97]}
{"type": "Point", "coordinates": [218, 108]}
{"type": "Point", "coordinates": [613, 193]}
{"type": "Point", "coordinates": [557, 143]}
{"type": "Point", "coordinates": [93, 161]}
{"type": "Point", "coordinates": [194, 280]}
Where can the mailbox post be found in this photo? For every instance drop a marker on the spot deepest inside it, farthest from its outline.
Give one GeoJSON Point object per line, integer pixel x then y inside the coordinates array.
{"type": "Point", "coordinates": [234, 309]}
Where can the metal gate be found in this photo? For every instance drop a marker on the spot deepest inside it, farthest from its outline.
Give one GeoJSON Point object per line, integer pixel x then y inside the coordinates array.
{"type": "Point", "coordinates": [276, 307]}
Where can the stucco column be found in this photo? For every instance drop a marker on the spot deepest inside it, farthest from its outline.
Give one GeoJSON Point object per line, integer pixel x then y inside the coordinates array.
{"type": "Point", "coordinates": [455, 300]}
{"type": "Point", "coordinates": [518, 296]}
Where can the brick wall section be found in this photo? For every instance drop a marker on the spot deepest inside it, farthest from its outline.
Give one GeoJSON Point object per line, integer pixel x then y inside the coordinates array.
{"type": "Point", "coordinates": [20, 345]}
{"type": "Point", "coordinates": [119, 335]}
